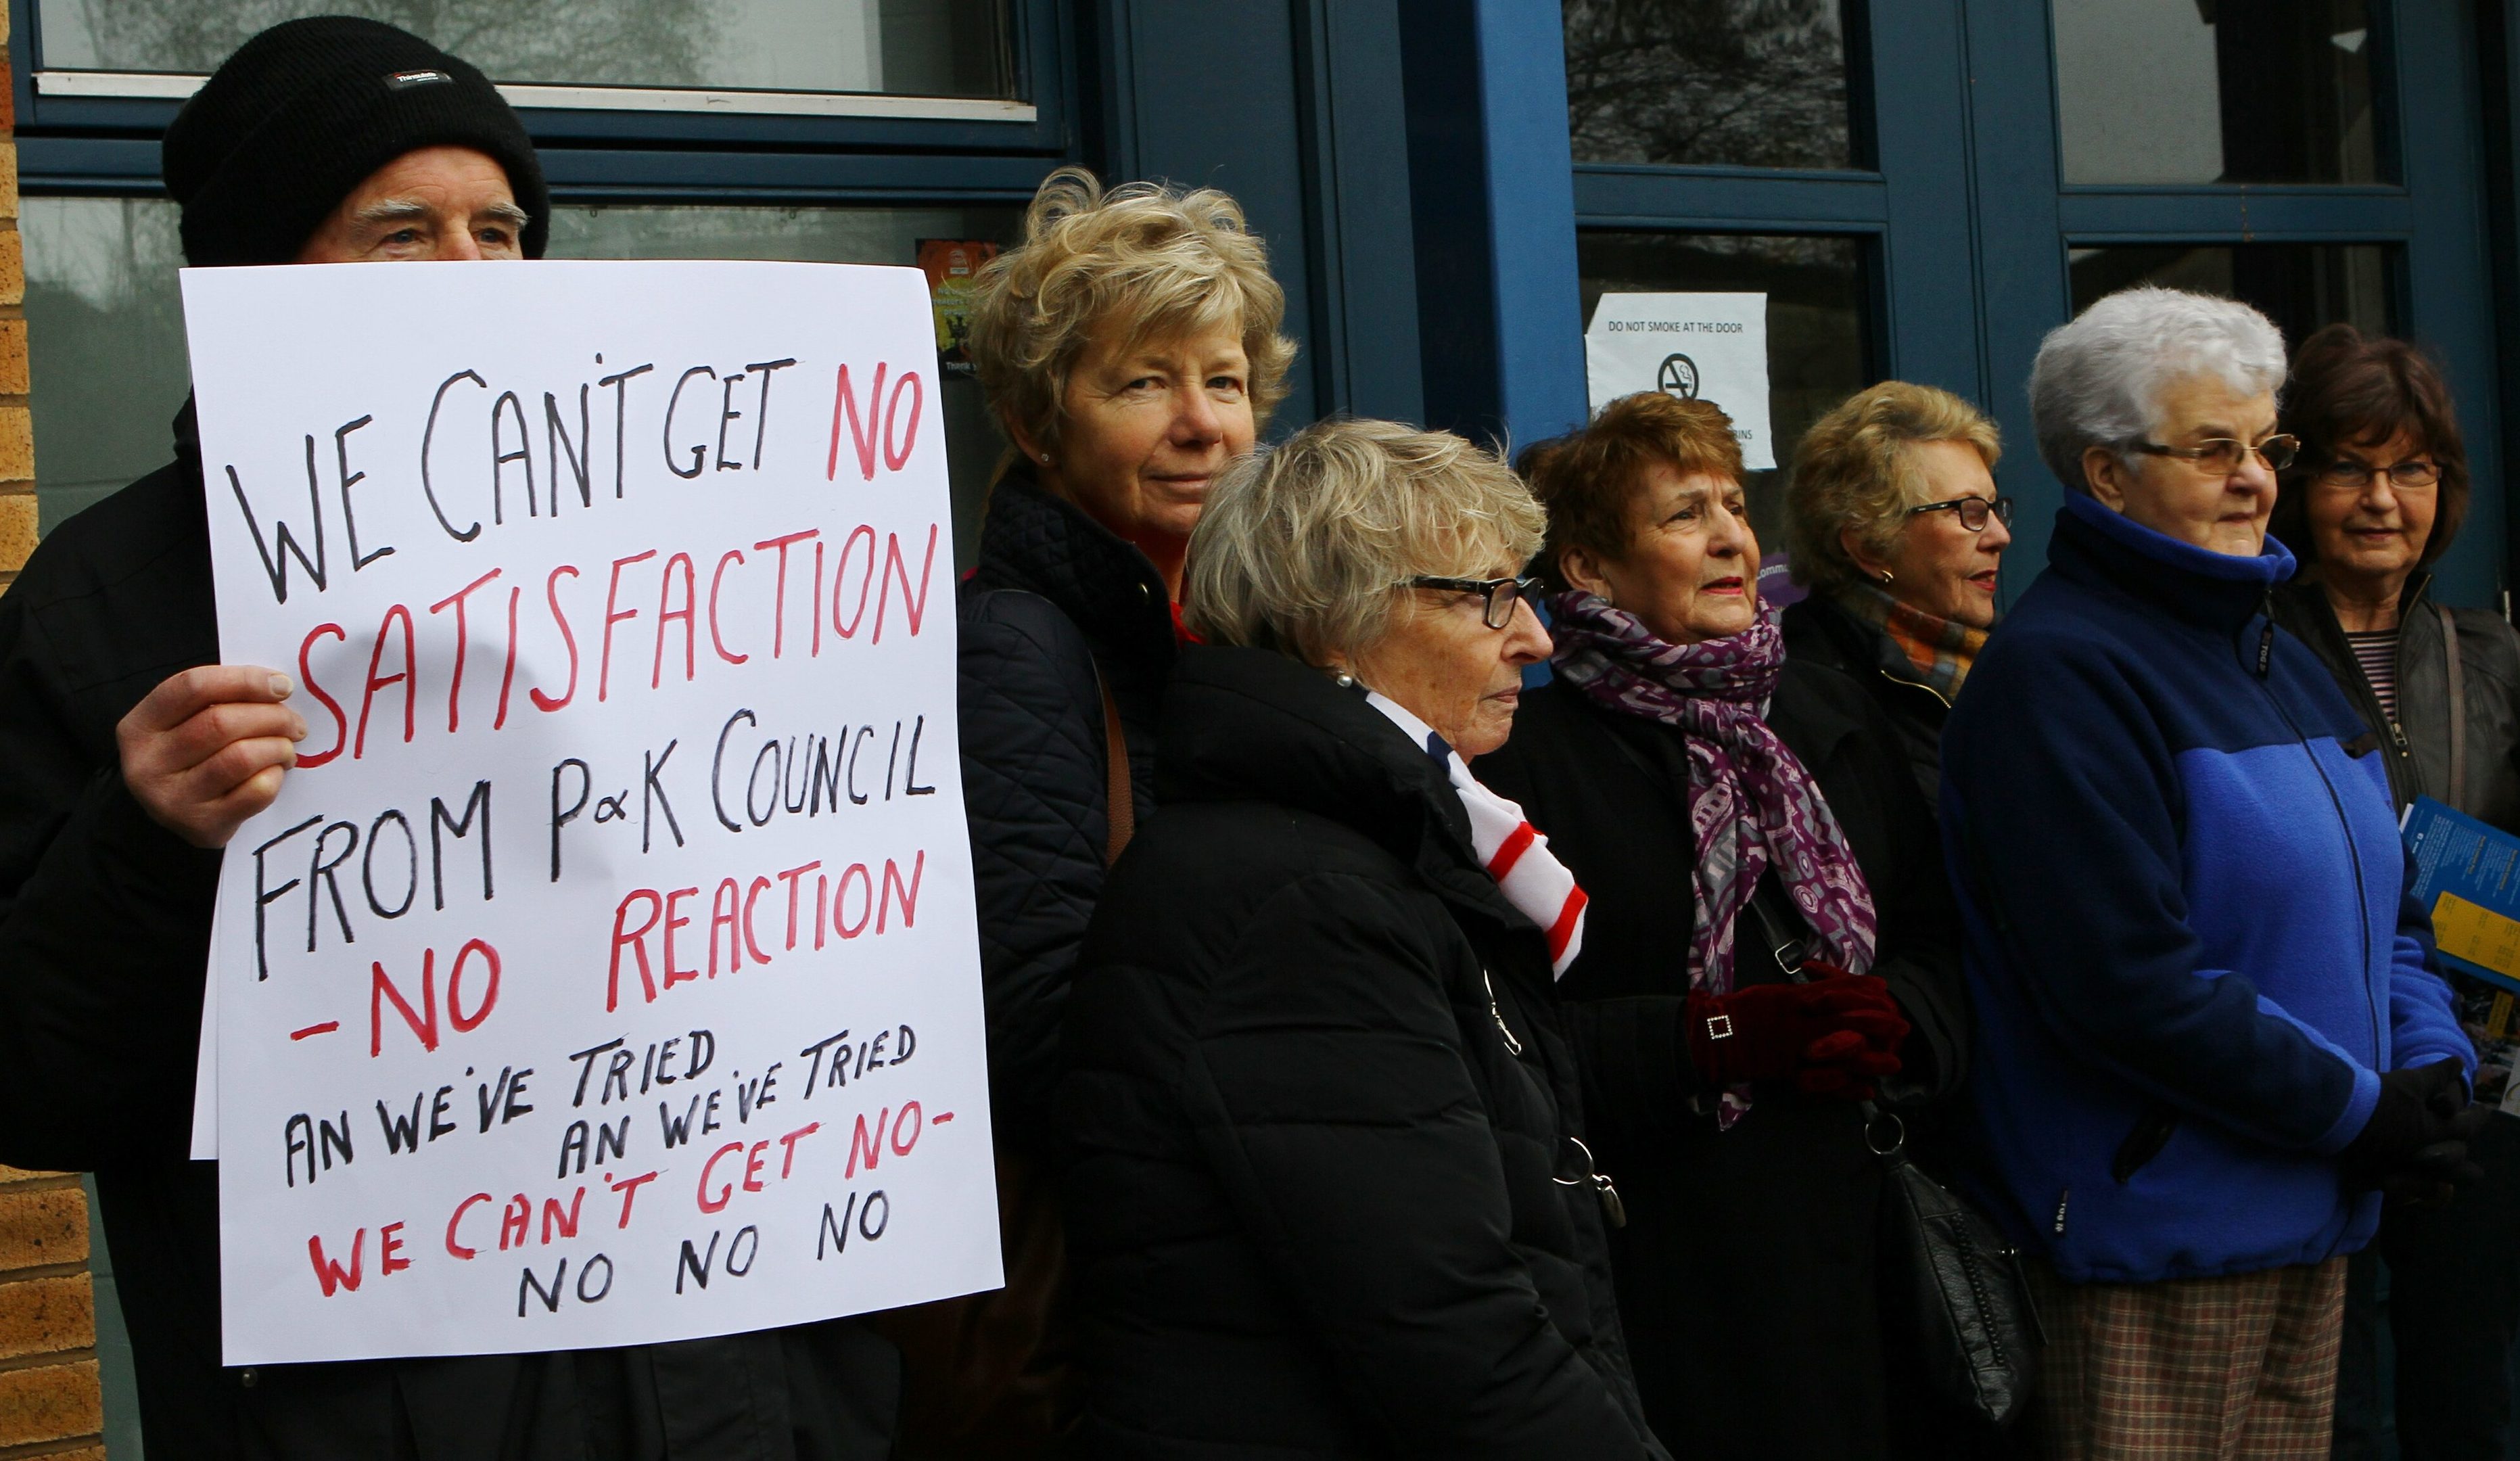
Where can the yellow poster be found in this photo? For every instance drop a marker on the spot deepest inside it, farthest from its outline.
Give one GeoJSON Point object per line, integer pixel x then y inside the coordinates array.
{"type": "Point", "coordinates": [2477, 934]}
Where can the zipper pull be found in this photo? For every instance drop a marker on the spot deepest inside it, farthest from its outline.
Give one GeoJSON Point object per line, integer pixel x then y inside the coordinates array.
{"type": "Point", "coordinates": [2062, 1197]}
{"type": "Point", "coordinates": [1613, 1210]}
{"type": "Point", "coordinates": [2398, 735]}
{"type": "Point", "coordinates": [2266, 636]}
{"type": "Point", "coordinates": [1512, 1046]}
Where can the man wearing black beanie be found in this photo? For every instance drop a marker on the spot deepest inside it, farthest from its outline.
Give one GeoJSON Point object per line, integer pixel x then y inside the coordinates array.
{"type": "Point", "coordinates": [128, 757]}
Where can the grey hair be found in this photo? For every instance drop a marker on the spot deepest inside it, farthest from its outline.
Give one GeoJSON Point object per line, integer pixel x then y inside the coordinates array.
{"type": "Point", "coordinates": [2099, 378]}
{"type": "Point", "coordinates": [1306, 547]}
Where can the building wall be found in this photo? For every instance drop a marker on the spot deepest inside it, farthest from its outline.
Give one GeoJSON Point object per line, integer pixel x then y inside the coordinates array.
{"type": "Point", "coordinates": [50, 1401]}
{"type": "Point", "coordinates": [50, 1404]}
{"type": "Point", "coordinates": [16, 433]}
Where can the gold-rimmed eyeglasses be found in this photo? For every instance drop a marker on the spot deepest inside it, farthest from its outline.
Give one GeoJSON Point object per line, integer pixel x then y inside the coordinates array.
{"type": "Point", "coordinates": [2220, 456]}
{"type": "Point", "coordinates": [1500, 594]}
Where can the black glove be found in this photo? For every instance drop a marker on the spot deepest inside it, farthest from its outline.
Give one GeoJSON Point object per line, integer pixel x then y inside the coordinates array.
{"type": "Point", "coordinates": [2418, 1129]}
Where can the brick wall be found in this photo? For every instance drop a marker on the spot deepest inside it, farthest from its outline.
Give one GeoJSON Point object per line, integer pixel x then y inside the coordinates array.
{"type": "Point", "coordinates": [50, 1405]}
{"type": "Point", "coordinates": [16, 425]}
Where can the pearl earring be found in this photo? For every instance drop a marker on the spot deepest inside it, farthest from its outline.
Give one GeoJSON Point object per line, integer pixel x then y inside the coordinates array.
{"type": "Point", "coordinates": [1343, 680]}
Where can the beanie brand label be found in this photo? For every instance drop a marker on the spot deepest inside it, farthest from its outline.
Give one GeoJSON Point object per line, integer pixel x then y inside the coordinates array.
{"type": "Point", "coordinates": [406, 80]}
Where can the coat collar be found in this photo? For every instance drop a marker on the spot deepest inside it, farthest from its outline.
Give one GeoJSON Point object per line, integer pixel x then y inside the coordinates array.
{"type": "Point", "coordinates": [1040, 543]}
{"type": "Point", "coordinates": [1254, 725]}
{"type": "Point", "coordinates": [2216, 590]}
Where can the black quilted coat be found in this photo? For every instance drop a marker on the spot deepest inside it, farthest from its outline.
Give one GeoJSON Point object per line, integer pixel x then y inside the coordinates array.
{"type": "Point", "coordinates": [1318, 1108]}
{"type": "Point", "coordinates": [1056, 595]}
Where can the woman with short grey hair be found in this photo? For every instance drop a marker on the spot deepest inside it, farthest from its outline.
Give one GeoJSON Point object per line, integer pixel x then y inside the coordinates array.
{"type": "Point", "coordinates": [1328, 1195]}
{"type": "Point", "coordinates": [2207, 1038]}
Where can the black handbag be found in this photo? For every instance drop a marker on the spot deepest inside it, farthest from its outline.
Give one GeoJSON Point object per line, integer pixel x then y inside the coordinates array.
{"type": "Point", "coordinates": [1954, 1298]}
{"type": "Point", "coordinates": [1952, 1290]}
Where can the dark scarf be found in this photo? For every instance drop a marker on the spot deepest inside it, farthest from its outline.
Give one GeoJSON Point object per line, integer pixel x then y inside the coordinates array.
{"type": "Point", "coordinates": [1752, 803]}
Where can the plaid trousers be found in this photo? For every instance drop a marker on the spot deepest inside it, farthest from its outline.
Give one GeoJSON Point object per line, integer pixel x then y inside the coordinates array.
{"type": "Point", "coordinates": [2238, 1368]}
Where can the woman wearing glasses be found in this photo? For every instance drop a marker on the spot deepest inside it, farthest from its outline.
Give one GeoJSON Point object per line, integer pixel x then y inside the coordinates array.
{"type": "Point", "coordinates": [2205, 1033]}
{"type": "Point", "coordinates": [2375, 498]}
{"type": "Point", "coordinates": [1894, 524]}
{"type": "Point", "coordinates": [1768, 938]}
{"type": "Point", "coordinates": [1327, 1192]}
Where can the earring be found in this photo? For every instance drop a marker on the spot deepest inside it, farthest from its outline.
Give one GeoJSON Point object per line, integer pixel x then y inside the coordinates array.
{"type": "Point", "coordinates": [1343, 680]}
{"type": "Point", "coordinates": [1885, 576]}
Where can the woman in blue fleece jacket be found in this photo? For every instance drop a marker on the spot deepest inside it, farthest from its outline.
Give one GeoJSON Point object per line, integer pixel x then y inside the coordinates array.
{"type": "Point", "coordinates": [2206, 1028]}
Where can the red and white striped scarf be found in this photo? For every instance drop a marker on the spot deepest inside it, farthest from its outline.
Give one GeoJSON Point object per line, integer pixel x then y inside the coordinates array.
{"type": "Point", "coordinates": [1514, 852]}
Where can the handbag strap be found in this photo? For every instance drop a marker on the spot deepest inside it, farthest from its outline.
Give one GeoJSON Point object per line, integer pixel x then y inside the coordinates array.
{"type": "Point", "coordinates": [2457, 709]}
{"type": "Point", "coordinates": [1119, 800]}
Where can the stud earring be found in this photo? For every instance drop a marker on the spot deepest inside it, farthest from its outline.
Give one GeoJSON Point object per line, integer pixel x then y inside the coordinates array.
{"type": "Point", "coordinates": [1343, 680]}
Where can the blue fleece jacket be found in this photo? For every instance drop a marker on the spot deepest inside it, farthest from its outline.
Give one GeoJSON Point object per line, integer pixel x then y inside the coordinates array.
{"type": "Point", "coordinates": [2188, 932]}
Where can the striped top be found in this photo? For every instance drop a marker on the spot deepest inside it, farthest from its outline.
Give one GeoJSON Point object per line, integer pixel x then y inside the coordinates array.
{"type": "Point", "coordinates": [2378, 654]}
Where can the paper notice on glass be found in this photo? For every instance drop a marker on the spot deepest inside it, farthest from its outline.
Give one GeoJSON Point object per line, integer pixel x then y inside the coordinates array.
{"type": "Point", "coordinates": [1707, 347]}
{"type": "Point", "coordinates": [605, 971]}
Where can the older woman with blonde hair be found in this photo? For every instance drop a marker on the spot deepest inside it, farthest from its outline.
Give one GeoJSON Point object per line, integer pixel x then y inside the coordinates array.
{"type": "Point", "coordinates": [1328, 1195]}
{"type": "Point", "coordinates": [1131, 349]}
{"type": "Point", "coordinates": [1894, 524]}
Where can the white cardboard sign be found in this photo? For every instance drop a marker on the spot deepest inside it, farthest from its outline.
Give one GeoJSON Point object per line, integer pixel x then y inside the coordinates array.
{"type": "Point", "coordinates": [1709, 347]}
{"type": "Point", "coordinates": [605, 971]}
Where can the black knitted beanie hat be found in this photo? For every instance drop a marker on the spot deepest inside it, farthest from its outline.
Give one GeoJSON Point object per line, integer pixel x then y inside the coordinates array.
{"type": "Point", "coordinates": [303, 113]}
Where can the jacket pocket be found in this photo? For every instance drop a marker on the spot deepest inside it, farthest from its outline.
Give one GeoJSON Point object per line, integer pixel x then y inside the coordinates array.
{"type": "Point", "coordinates": [2152, 1133]}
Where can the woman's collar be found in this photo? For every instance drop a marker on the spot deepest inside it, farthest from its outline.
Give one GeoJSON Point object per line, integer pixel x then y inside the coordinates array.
{"type": "Point", "coordinates": [2271, 564]}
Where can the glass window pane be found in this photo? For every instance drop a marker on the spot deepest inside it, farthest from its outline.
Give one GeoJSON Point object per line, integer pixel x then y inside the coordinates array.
{"type": "Point", "coordinates": [2301, 287]}
{"type": "Point", "coordinates": [2216, 91]}
{"type": "Point", "coordinates": [106, 326]}
{"type": "Point", "coordinates": [1754, 84]}
{"type": "Point", "coordinates": [954, 48]}
{"type": "Point", "coordinates": [1818, 332]}
{"type": "Point", "coordinates": [106, 331]}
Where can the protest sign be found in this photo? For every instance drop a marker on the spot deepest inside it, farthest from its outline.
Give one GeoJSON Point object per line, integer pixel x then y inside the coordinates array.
{"type": "Point", "coordinates": [1698, 347]}
{"type": "Point", "coordinates": [605, 970]}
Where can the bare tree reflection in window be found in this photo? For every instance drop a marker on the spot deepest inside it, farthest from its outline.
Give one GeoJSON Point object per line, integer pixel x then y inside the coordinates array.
{"type": "Point", "coordinates": [1753, 83]}
{"type": "Point", "coordinates": [621, 42]}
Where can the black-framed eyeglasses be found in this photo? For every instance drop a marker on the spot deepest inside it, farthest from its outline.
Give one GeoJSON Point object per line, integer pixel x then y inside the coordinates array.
{"type": "Point", "coordinates": [2417, 475]}
{"type": "Point", "coordinates": [1974, 512]}
{"type": "Point", "coordinates": [1499, 594]}
{"type": "Point", "coordinates": [2220, 456]}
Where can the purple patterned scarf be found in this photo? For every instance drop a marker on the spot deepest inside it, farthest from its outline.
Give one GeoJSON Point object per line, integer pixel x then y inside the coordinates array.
{"type": "Point", "coordinates": [1750, 800]}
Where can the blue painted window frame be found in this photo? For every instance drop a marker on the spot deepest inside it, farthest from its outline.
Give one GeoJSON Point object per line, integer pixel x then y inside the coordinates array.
{"type": "Point", "coordinates": [1968, 224]}
{"type": "Point", "coordinates": [2430, 106]}
{"type": "Point", "coordinates": [109, 147]}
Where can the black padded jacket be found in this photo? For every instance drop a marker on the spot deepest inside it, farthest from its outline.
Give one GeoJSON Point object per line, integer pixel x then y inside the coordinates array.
{"type": "Point", "coordinates": [1056, 601]}
{"type": "Point", "coordinates": [105, 924]}
{"type": "Point", "coordinates": [1326, 1196]}
{"type": "Point", "coordinates": [2418, 739]}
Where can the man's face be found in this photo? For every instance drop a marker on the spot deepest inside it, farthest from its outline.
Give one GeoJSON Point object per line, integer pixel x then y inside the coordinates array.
{"type": "Point", "coordinates": [436, 202]}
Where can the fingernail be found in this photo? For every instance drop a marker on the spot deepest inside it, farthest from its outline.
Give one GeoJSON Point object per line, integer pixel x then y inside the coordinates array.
{"type": "Point", "coordinates": [297, 731]}
{"type": "Point", "coordinates": [279, 686]}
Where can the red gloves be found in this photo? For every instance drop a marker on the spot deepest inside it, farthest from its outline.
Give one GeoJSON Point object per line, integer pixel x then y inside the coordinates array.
{"type": "Point", "coordinates": [1836, 1035]}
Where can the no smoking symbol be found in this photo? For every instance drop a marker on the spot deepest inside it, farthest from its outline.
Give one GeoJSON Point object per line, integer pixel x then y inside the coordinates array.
{"type": "Point", "coordinates": [1677, 377]}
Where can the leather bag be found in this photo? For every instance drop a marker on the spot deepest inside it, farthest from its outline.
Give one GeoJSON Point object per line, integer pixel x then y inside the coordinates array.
{"type": "Point", "coordinates": [1953, 1297]}
{"type": "Point", "coordinates": [1952, 1291]}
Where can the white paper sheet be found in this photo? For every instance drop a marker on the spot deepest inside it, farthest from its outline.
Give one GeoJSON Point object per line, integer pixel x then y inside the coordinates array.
{"type": "Point", "coordinates": [622, 986]}
{"type": "Point", "coordinates": [1709, 347]}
